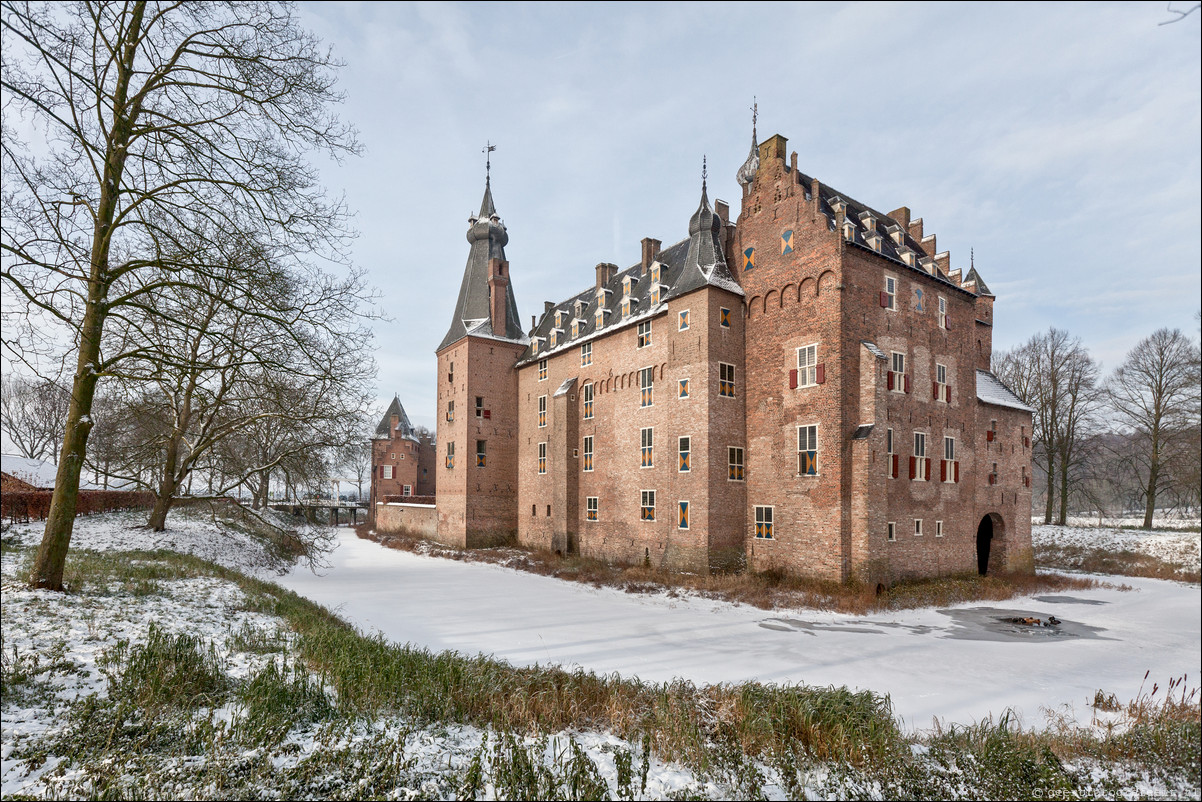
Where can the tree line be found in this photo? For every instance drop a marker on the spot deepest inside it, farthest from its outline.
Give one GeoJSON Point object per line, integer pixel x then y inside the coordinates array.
{"type": "Point", "coordinates": [1127, 441]}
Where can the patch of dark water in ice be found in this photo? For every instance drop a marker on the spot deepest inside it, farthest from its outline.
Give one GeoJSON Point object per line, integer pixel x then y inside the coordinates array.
{"type": "Point", "coordinates": [994, 624]}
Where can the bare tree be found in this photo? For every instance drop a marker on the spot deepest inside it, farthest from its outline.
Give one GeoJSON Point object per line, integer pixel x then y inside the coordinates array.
{"type": "Point", "coordinates": [162, 125]}
{"type": "Point", "coordinates": [1156, 395]}
{"type": "Point", "coordinates": [32, 413]}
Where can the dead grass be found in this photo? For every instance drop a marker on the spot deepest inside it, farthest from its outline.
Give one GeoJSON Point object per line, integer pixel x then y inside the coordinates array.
{"type": "Point", "coordinates": [1121, 563]}
{"type": "Point", "coordinates": [767, 590]}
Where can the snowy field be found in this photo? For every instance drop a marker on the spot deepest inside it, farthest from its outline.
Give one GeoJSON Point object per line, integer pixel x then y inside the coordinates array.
{"type": "Point", "coordinates": [1183, 547]}
{"type": "Point", "coordinates": [953, 665]}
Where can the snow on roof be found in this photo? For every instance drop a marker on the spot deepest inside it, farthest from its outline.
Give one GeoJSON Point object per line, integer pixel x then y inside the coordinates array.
{"type": "Point", "coordinates": [990, 390]}
{"type": "Point", "coordinates": [33, 471]}
{"type": "Point", "coordinates": [876, 351]}
{"type": "Point", "coordinates": [36, 472]}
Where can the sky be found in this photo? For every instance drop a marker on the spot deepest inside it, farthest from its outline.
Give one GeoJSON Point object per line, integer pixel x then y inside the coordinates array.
{"type": "Point", "coordinates": [1058, 142]}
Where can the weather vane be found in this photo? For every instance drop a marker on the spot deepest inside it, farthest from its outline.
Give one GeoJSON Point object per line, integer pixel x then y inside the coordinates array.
{"type": "Point", "coordinates": [703, 169]}
{"type": "Point", "coordinates": [755, 112]}
{"type": "Point", "coordinates": [487, 150]}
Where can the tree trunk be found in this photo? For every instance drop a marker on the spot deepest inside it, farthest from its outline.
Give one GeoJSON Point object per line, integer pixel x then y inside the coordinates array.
{"type": "Point", "coordinates": [56, 538]}
{"type": "Point", "coordinates": [1153, 477]}
{"type": "Point", "coordinates": [1062, 518]}
{"type": "Point", "coordinates": [163, 503]}
{"type": "Point", "coordinates": [1051, 490]}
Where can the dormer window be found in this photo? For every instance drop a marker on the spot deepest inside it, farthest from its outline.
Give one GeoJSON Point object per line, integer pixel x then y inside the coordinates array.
{"type": "Point", "coordinates": [536, 344]}
{"type": "Point", "coordinates": [838, 204]}
{"type": "Point", "coordinates": [655, 288]}
{"type": "Point", "coordinates": [873, 239]}
{"type": "Point", "coordinates": [868, 220]}
{"type": "Point", "coordinates": [578, 309]}
{"type": "Point", "coordinates": [908, 256]}
{"type": "Point", "coordinates": [599, 318]}
{"type": "Point", "coordinates": [927, 264]}
{"type": "Point", "coordinates": [896, 234]}
{"type": "Point", "coordinates": [628, 283]}
{"type": "Point", "coordinates": [655, 274]}
{"type": "Point", "coordinates": [555, 335]}
{"type": "Point", "coordinates": [559, 320]}
{"type": "Point", "coordinates": [849, 230]}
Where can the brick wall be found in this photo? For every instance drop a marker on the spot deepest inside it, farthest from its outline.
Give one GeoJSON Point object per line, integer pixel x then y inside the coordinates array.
{"type": "Point", "coordinates": [414, 519]}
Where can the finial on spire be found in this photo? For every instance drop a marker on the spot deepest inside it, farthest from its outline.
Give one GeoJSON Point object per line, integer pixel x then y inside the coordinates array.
{"type": "Point", "coordinates": [755, 113]}
{"type": "Point", "coordinates": [487, 150]}
{"type": "Point", "coordinates": [704, 171]}
{"type": "Point", "coordinates": [972, 259]}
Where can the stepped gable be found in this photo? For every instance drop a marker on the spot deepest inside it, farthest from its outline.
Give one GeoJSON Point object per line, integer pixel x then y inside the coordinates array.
{"type": "Point", "coordinates": [403, 425]}
{"type": "Point", "coordinates": [487, 235]}
{"type": "Point", "coordinates": [685, 266]}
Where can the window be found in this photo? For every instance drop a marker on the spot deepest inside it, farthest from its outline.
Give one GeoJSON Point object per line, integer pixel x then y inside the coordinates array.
{"type": "Point", "coordinates": [542, 370]}
{"type": "Point", "coordinates": [542, 457]}
{"type": "Point", "coordinates": [891, 453]}
{"type": "Point", "coordinates": [599, 318]}
{"type": "Point", "coordinates": [644, 334]}
{"type": "Point", "coordinates": [763, 522]}
{"type": "Point", "coordinates": [451, 372]}
{"type": "Point", "coordinates": [734, 460]}
{"type": "Point", "coordinates": [450, 411]}
{"type": "Point", "coordinates": [891, 531]}
{"type": "Point", "coordinates": [479, 406]}
{"type": "Point", "coordinates": [917, 527]}
{"type": "Point", "coordinates": [588, 453]}
{"type": "Point", "coordinates": [591, 508]}
{"type": "Point", "coordinates": [647, 505]}
{"type": "Point", "coordinates": [684, 448]}
{"type": "Point", "coordinates": [647, 442]}
{"type": "Point", "coordinates": [542, 412]}
{"type": "Point", "coordinates": [919, 464]}
{"type": "Point", "coordinates": [554, 337]}
{"type": "Point", "coordinates": [942, 316]}
{"type": "Point", "coordinates": [940, 390]}
{"type": "Point", "coordinates": [450, 455]}
{"type": "Point", "coordinates": [480, 458]}
{"type": "Point", "coordinates": [682, 517]}
{"type": "Point", "coordinates": [726, 380]}
{"type": "Point", "coordinates": [625, 307]}
{"type": "Point", "coordinates": [386, 472]}
{"type": "Point", "coordinates": [684, 319]}
{"type": "Point", "coordinates": [683, 391]}
{"type": "Point", "coordinates": [889, 296]}
{"type": "Point", "coordinates": [807, 450]}
{"type": "Point", "coordinates": [586, 355]}
{"type": "Point", "coordinates": [807, 366]}
{"type": "Point", "coordinates": [724, 317]}
{"type": "Point", "coordinates": [898, 380]}
{"type": "Point", "coordinates": [588, 402]}
{"type": "Point", "coordinates": [407, 490]}
{"type": "Point", "coordinates": [949, 468]}
{"type": "Point", "coordinates": [392, 455]}
{"type": "Point", "coordinates": [939, 529]}
{"type": "Point", "coordinates": [646, 379]}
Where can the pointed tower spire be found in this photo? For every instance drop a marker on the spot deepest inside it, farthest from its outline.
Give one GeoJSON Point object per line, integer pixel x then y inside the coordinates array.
{"type": "Point", "coordinates": [705, 233]}
{"type": "Point", "coordinates": [746, 173]}
{"type": "Point", "coordinates": [475, 311]}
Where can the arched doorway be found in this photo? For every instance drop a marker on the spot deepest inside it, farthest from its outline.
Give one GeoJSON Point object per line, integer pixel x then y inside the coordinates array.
{"type": "Point", "coordinates": [991, 545]}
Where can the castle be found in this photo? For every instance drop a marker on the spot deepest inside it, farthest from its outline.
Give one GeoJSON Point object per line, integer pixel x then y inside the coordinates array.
{"type": "Point", "coordinates": [805, 388]}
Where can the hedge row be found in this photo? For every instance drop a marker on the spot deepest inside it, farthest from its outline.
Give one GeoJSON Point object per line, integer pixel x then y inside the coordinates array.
{"type": "Point", "coordinates": [34, 505]}
{"type": "Point", "coordinates": [409, 499]}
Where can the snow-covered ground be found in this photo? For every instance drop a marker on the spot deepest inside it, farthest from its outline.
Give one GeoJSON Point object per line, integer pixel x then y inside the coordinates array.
{"type": "Point", "coordinates": [956, 665]}
{"type": "Point", "coordinates": [1181, 547]}
{"type": "Point", "coordinates": [191, 529]}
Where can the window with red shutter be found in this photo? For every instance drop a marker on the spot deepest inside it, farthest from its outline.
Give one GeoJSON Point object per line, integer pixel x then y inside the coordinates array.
{"type": "Point", "coordinates": [890, 380]}
{"type": "Point", "coordinates": [793, 379]}
{"type": "Point", "coordinates": [884, 300]}
{"type": "Point", "coordinates": [820, 373]}
{"type": "Point", "coordinates": [913, 467]}
{"type": "Point", "coordinates": [907, 384]}
{"type": "Point", "coordinates": [896, 460]}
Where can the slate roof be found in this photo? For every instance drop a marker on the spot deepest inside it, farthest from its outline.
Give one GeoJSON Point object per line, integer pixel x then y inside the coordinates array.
{"type": "Point", "coordinates": [403, 424]}
{"type": "Point", "coordinates": [685, 266]}
{"type": "Point", "coordinates": [880, 224]}
{"type": "Point", "coordinates": [982, 287]}
{"type": "Point", "coordinates": [990, 390]}
{"type": "Point", "coordinates": [487, 235]}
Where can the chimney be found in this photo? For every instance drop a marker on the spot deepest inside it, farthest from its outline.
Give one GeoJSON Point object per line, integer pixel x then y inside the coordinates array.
{"type": "Point", "coordinates": [902, 216]}
{"type": "Point", "coordinates": [915, 230]}
{"type": "Point", "coordinates": [650, 251]}
{"type": "Point", "coordinates": [773, 148]}
{"type": "Point", "coordinates": [498, 295]}
{"type": "Point", "coordinates": [605, 273]}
